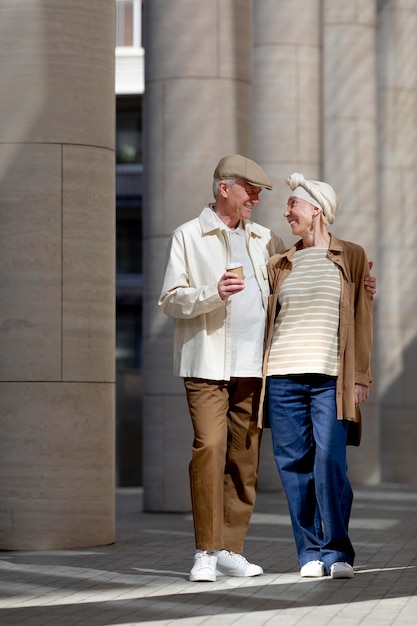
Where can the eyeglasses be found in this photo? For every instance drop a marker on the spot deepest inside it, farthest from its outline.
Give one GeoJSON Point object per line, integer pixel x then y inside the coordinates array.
{"type": "Point", "coordinates": [251, 190]}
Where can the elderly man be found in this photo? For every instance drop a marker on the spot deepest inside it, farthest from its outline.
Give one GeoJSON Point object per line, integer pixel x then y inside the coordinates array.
{"type": "Point", "coordinates": [218, 344]}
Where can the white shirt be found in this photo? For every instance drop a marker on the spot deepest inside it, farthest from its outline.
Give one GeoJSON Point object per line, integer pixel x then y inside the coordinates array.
{"type": "Point", "coordinates": [247, 315]}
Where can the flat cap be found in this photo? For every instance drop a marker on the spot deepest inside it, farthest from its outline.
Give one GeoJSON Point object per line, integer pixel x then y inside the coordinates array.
{"type": "Point", "coordinates": [237, 166]}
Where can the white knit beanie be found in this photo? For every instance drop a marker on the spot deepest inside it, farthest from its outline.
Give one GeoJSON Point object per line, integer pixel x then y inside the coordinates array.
{"type": "Point", "coordinates": [319, 194]}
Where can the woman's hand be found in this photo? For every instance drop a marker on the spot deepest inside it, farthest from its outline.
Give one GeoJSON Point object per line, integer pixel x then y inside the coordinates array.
{"type": "Point", "coordinates": [370, 283]}
{"type": "Point", "coordinates": [361, 393]}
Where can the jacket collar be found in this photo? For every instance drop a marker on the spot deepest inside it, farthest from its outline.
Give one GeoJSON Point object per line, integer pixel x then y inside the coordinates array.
{"type": "Point", "coordinates": [335, 245]}
{"type": "Point", "coordinates": [211, 224]}
{"type": "Point", "coordinates": [335, 248]}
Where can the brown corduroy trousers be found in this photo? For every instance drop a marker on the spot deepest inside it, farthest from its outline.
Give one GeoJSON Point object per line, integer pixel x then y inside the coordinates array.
{"type": "Point", "coordinates": [225, 459]}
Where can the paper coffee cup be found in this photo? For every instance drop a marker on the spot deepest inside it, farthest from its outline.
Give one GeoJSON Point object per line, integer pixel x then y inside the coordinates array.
{"type": "Point", "coordinates": [237, 269]}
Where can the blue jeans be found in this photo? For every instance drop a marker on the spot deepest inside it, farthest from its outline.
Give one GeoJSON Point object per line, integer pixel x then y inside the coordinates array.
{"type": "Point", "coordinates": [309, 445]}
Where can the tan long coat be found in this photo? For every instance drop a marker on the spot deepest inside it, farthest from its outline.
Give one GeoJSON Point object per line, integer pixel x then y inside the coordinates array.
{"type": "Point", "coordinates": [355, 323]}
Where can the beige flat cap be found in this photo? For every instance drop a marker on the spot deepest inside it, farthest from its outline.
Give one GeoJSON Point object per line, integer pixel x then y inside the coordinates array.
{"type": "Point", "coordinates": [237, 166]}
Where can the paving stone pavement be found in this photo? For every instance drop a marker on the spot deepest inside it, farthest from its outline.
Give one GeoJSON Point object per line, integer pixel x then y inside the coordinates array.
{"type": "Point", "coordinates": [143, 577]}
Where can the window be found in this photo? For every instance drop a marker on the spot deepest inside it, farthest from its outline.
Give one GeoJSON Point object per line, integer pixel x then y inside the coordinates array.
{"type": "Point", "coordinates": [129, 23]}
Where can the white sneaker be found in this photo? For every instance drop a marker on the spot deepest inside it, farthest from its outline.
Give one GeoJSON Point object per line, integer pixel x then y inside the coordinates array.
{"type": "Point", "coordinates": [204, 568]}
{"type": "Point", "coordinates": [341, 570]}
{"type": "Point", "coordinates": [232, 564]}
{"type": "Point", "coordinates": [312, 569]}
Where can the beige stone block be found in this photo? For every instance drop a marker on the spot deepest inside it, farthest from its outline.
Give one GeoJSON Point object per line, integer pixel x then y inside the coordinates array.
{"type": "Point", "coordinates": [398, 114]}
{"type": "Point", "coordinates": [157, 327]}
{"type": "Point", "coordinates": [185, 148]}
{"type": "Point", "coordinates": [288, 115]}
{"type": "Point", "coordinates": [155, 252]}
{"type": "Point", "coordinates": [60, 52]}
{"type": "Point", "coordinates": [367, 11]}
{"type": "Point", "coordinates": [351, 168]}
{"type": "Point", "coordinates": [21, 47]}
{"type": "Point", "coordinates": [393, 185]}
{"type": "Point", "coordinates": [57, 465]}
{"type": "Point", "coordinates": [88, 264]}
{"type": "Point", "coordinates": [287, 22]}
{"type": "Point", "coordinates": [397, 46]}
{"type": "Point", "coordinates": [348, 11]}
{"type": "Point", "coordinates": [309, 103]}
{"type": "Point", "coordinates": [234, 39]}
{"type": "Point", "coordinates": [196, 141]}
{"type": "Point", "coordinates": [30, 262]}
{"type": "Point", "coordinates": [275, 131]}
{"type": "Point", "coordinates": [398, 188]}
{"type": "Point", "coordinates": [349, 71]}
{"type": "Point", "coordinates": [168, 434]}
{"type": "Point", "coordinates": [172, 52]}
{"type": "Point", "coordinates": [215, 43]}
{"type": "Point", "coordinates": [158, 354]}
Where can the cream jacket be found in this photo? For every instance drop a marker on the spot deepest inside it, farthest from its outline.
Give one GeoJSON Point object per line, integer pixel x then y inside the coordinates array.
{"type": "Point", "coordinates": [197, 256]}
{"type": "Point", "coordinates": [355, 324]}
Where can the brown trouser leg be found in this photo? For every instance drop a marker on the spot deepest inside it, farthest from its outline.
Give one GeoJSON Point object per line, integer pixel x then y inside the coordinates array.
{"type": "Point", "coordinates": [225, 459]}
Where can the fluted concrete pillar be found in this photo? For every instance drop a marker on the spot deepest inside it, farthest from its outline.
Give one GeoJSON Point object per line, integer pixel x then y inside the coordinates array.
{"type": "Point", "coordinates": [286, 120]}
{"type": "Point", "coordinates": [287, 98]}
{"type": "Point", "coordinates": [397, 331]}
{"type": "Point", "coordinates": [57, 274]}
{"type": "Point", "coordinates": [350, 115]}
{"type": "Point", "coordinates": [350, 164]}
{"type": "Point", "coordinates": [197, 109]}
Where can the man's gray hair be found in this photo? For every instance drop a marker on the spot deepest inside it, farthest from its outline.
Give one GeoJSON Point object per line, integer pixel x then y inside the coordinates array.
{"type": "Point", "coordinates": [217, 181]}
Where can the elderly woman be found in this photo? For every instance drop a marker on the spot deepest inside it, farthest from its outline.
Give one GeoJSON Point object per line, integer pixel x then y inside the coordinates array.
{"type": "Point", "coordinates": [317, 364]}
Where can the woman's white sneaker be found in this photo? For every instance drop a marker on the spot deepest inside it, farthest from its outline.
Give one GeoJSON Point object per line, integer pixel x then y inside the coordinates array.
{"type": "Point", "coordinates": [232, 564]}
{"type": "Point", "coordinates": [341, 570]}
{"type": "Point", "coordinates": [204, 568]}
{"type": "Point", "coordinates": [312, 569]}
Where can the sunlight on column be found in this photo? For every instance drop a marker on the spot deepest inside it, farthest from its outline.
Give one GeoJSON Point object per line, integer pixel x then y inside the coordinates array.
{"type": "Point", "coordinates": [22, 90]}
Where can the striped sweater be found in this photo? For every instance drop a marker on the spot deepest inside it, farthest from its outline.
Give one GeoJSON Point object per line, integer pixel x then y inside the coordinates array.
{"type": "Point", "coordinates": [306, 332]}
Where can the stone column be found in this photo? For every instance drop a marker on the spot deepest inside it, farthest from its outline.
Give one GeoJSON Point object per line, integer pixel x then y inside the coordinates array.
{"type": "Point", "coordinates": [286, 120]}
{"type": "Point", "coordinates": [287, 98]}
{"type": "Point", "coordinates": [350, 163]}
{"type": "Point", "coordinates": [57, 274]}
{"type": "Point", "coordinates": [397, 329]}
{"type": "Point", "coordinates": [197, 108]}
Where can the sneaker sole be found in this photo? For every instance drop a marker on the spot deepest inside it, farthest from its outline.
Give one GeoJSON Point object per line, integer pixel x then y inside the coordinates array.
{"type": "Point", "coordinates": [234, 575]}
{"type": "Point", "coordinates": [203, 579]}
{"type": "Point", "coordinates": [339, 575]}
